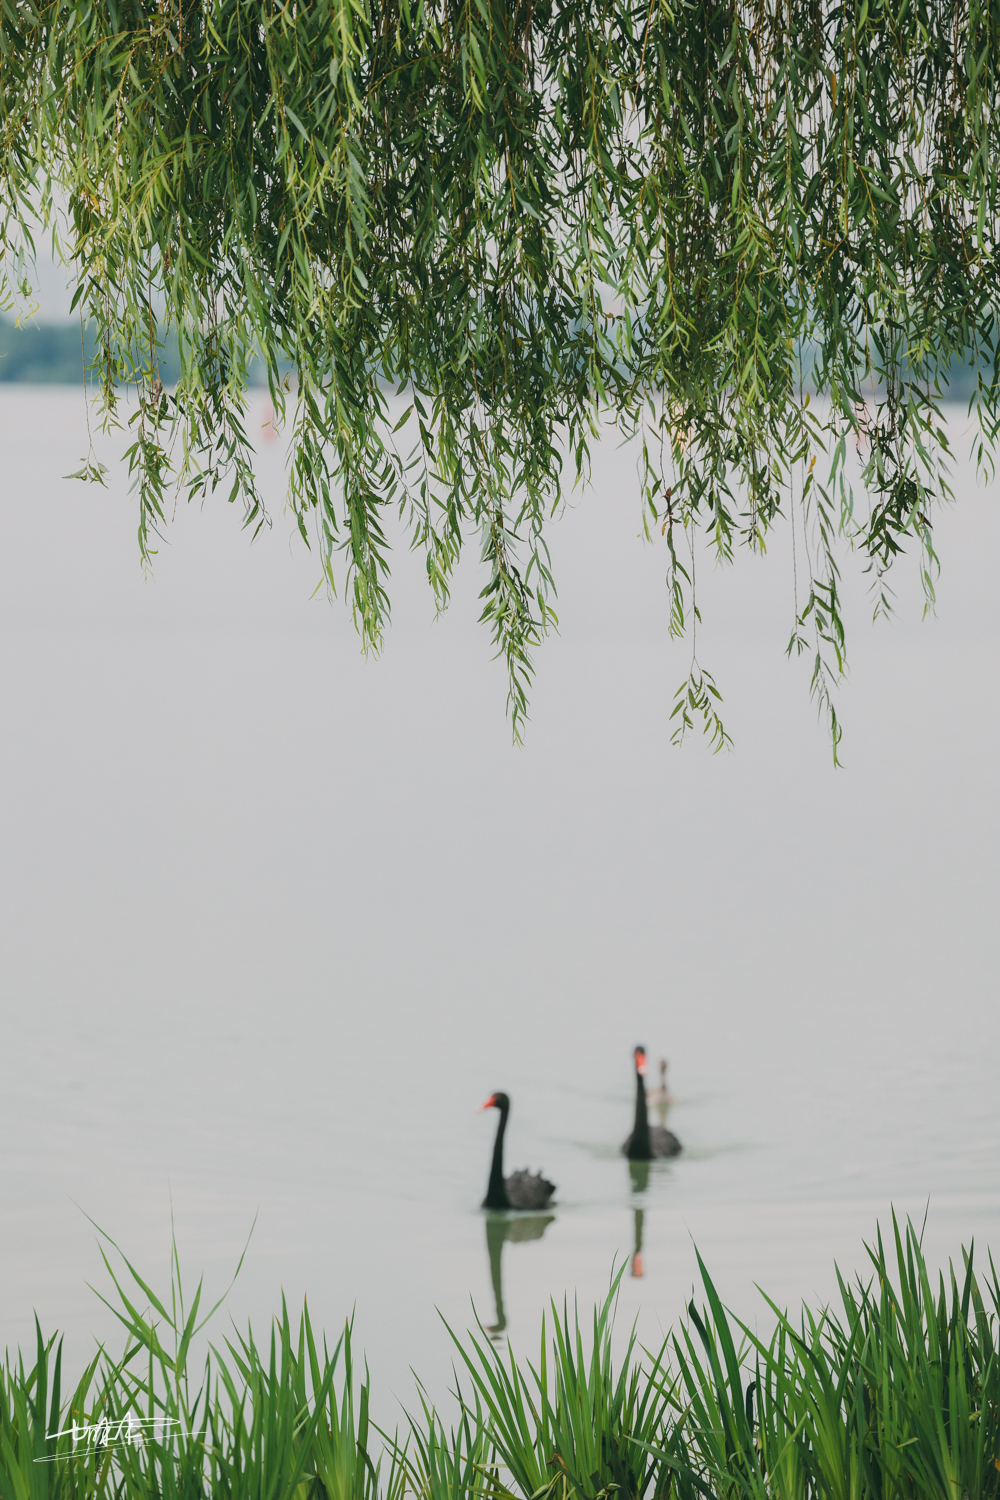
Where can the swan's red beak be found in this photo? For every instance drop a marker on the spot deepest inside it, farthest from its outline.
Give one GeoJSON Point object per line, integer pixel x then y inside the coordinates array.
{"type": "Point", "coordinates": [489, 1103]}
{"type": "Point", "coordinates": [640, 1062]}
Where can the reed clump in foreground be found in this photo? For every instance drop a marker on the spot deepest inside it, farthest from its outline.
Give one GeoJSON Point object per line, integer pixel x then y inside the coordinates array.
{"type": "Point", "coordinates": [894, 1393]}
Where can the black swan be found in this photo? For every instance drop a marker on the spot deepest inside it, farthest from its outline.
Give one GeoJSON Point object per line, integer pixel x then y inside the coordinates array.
{"type": "Point", "coordinates": [662, 1097]}
{"type": "Point", "coordinates": [647, 1141]}
{"type": "Point", "coordinates": [521, 1189]}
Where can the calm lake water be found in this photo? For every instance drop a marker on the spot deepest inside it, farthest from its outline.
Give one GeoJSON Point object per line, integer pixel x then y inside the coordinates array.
{"type": "Point", "coordinates": [276, 919]}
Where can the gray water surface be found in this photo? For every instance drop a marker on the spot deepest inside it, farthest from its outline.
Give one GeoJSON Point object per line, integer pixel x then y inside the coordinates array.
{"type": "Point", "coordinates": [276, 919]}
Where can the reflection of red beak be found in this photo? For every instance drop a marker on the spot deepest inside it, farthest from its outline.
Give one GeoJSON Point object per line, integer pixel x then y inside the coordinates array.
{"type": "Point", "coordinates": [489, 1102]}
{"type": "Point", "coordinates": [637, 1263]}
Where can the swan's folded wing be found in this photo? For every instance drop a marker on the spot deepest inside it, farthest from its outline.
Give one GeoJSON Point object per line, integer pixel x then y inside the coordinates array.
{"type": "Point", "coordinates": [528, 1190]}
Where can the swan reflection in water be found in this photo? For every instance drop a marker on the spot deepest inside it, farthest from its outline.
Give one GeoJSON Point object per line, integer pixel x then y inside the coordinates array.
{"type": "Point", "coordinates": [501, 1227]}
{"type": "Point", "coordinates": [639, 1173]}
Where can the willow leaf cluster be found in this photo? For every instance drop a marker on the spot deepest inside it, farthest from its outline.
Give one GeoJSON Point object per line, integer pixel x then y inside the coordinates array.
{"type": "Point", "coordinates": [746, 232]}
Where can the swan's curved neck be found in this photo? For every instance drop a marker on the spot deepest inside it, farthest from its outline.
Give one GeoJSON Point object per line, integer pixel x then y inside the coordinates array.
{"type": "Point", "coordinates": [639, 1147]}
{"type": "Point", "coordinates": [496, 1193]}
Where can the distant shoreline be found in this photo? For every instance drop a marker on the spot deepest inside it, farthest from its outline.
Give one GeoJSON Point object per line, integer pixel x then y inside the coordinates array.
{"type": "Point", "coordinates": [37, 353]}
{"type": "Point", "coordinates": [51, 354]}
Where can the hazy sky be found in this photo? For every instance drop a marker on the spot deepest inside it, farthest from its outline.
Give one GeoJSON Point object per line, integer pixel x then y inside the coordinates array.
{"type": "Point", "coordinates": [275, 919]}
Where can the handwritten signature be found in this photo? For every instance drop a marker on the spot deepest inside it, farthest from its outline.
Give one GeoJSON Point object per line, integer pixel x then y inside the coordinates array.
{"type": "Point", "coordinates": [127, 1431]}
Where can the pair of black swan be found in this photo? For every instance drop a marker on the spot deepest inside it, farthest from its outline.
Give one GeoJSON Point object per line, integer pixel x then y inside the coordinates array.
{"type": "Point", "coordinates": [530, 1190]}
{"type": "Point", "coordinates": [647, 1142]}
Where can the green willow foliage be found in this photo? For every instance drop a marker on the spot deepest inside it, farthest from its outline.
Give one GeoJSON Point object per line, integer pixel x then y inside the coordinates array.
{"type": "Point", "coordinates": [534, 217]}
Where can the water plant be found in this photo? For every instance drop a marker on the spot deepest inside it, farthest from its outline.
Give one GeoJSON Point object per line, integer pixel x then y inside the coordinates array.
{"type": "Point", "coordinates": [892, 1394]}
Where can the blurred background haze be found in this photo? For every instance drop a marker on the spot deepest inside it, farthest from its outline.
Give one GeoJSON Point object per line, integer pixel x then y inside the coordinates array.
{"type": "Point", "coordinates": [275, 919]}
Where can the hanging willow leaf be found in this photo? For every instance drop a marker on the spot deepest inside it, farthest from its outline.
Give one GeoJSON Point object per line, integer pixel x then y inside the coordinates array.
{"type": "Point", "coordinates": [532, 217]}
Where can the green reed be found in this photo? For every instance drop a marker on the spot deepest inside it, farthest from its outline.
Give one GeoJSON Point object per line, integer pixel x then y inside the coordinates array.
{"type": "Point", "coordinates": [892, 1394]}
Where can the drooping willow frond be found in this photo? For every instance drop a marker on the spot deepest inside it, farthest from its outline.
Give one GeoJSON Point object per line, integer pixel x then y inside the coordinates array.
{"type": "Point", "coordinates": [534, 216]}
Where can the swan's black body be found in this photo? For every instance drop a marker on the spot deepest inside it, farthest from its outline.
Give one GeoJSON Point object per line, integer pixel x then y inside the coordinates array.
{"type": "Point", "coordinates": [647, 1141]}
{"type": "Point", "coordinates": [521, 1189]}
